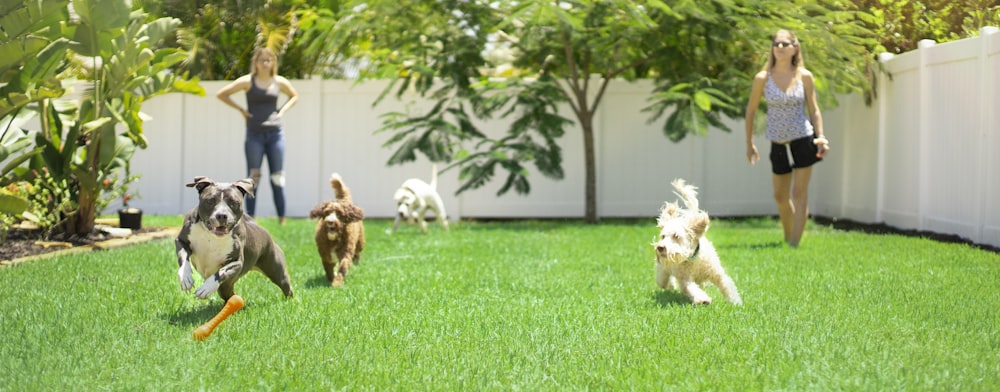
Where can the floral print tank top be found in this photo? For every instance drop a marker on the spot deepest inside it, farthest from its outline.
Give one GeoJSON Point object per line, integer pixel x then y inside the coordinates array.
{"type": "Point", "coordinates": [786, 115]}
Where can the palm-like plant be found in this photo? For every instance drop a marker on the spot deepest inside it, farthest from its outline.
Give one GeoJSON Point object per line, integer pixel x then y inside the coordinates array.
{"type": "Point", "coordinates": [113, 48]}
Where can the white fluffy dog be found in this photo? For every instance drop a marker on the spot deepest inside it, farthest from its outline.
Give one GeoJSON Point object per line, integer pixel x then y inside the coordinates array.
{"type": "Point", "coordinates": [685, 258]}
{"type": "Point", "coordinates": [415, 198]}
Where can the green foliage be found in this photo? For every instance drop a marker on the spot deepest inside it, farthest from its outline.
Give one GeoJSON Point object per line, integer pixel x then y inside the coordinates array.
{"type": "Point", "coordinates": [900, 25]}
{"type": "Point", "coordinates": [11, 203]}
{"type": "Point", "coordinates": [312, 50]}
{"type": "Point", "coordinates": [113, 49]}
{"type": "Point", "coordinates": [12, 206]}
{"type": "Point", "coordinates": [532, 137]}
{"type": "Point", "coordinates": [43, 202]}
{"type": "Point", "coordinates": [16, 146]}
{"type": "Point", "coordinates": [217, 36]}
{"type": "Point", "coordinates": [32, 50]}
{"type": "Point", "coordinates": [517, 305]}
{"type": "Point", "coordinates": [693, 109]}
{"type": "Point", "coordinates": [220, 36]}
{"type": "Point", "coordinates": [51, 200]}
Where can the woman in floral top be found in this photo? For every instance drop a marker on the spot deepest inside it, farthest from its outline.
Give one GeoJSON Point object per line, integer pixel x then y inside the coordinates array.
{"type": "Point", "coordinates": [794, 129]}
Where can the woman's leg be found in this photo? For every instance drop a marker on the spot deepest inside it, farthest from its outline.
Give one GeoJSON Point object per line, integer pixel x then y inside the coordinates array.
{"type": "Point", "coordinates": [782, 197]}
{"type": "Point", "coordinates": [254, 149]}
{"type": "Point", "coordinates": [800, 203]}
{"type": "Point", "coordinates": [276, 165]}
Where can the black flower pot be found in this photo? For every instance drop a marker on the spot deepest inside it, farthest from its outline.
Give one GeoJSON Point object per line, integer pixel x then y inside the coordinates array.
{"type": "Point", "coordinates": [130, 218]}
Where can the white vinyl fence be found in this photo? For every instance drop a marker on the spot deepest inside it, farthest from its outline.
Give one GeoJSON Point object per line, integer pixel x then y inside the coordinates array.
{"type": "Point", "coordinates": [920, 158]}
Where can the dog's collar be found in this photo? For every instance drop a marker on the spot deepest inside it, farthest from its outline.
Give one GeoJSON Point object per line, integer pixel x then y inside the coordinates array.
{"type": "Point", "coordinates": [695, 254]}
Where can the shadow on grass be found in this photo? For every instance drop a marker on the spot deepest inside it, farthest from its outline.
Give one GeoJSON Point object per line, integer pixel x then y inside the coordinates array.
{"type": "Point", "coordinates": [194, 317]}
{"type": "Point", "coordinates": [751, 246]}
{"type": "Point", "coordinates": [520, 224]}
{"type": "Point", "coordinates": [670, 299]}
{"type": "Point", "coordinates": [318, 282]}
{"type": "Point", "coordinates": [201, 313]}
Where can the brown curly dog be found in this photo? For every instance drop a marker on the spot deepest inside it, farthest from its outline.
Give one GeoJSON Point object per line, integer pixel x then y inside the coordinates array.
{"type": "Point", "coordinates": [340, 232]}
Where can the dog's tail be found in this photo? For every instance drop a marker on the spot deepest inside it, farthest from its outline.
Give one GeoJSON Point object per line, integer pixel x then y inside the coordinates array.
{"type": "Point", "coordinates": [340, 191]}
{"type": "Point", "coordinates": [434, 176]}
{"type": "Point", "coordinates": [687, 193]}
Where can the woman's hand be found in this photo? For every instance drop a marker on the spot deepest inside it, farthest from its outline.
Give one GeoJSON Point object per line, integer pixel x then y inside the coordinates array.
{"type": "Point", "coordinates": [822, 146]}
{"type": "Point", "coordinates": [752, 155]}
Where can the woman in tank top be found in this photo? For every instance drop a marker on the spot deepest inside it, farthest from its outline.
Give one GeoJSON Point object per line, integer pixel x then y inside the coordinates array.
{"type": "Point", "coordinates": [264, 134]}
{"type": "Point", "coordinates": [794, 129]}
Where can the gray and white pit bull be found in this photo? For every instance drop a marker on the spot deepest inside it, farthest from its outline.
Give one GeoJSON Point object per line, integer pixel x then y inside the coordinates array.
{"type": "Point", "coordinates": [223, 244]}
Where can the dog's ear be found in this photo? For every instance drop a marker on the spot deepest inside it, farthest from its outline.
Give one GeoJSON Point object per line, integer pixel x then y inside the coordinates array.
{"type": "Point", "coordinates": [399, 195]}
{"type": "Point", "coordinates": [669, 211]}
{"type": "Point", "coordinates": [699, 223]}
{"type": "Point", "coordinates": [246, 186]}
{"type": "Point", "coordinates": [200, 183]}
{"type": "Point", "coordinates": [351, 213]}
{"type": "Point", "coordinates": [320, 211]}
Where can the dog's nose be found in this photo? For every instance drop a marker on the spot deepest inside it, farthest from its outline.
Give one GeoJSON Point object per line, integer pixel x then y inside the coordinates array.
{"type": "Point", "coordinates": [222, 218]}
{"type": "Point", "coordinates": [661, 248]}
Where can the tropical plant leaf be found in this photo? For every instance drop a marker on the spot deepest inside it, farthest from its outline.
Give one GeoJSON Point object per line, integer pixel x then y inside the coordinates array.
{"type": "Point", "coordinates": [12, 204]}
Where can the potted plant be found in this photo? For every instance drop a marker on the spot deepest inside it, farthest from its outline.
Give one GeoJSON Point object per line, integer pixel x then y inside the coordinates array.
{"type": "Point", "coordinates": [115, 187]}
{"type": "Point", "coordinates": [129, 217]}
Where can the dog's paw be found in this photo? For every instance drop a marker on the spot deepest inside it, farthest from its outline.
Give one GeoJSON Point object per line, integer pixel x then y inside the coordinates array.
{"type": "Point", "coordinates": [210, 286]}
{"type": "Point", "coordinates": [184, 275]}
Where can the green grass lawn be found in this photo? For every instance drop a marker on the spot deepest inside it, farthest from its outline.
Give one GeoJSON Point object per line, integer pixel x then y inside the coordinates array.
{"type": "Point", "coordinates": [519, 305]}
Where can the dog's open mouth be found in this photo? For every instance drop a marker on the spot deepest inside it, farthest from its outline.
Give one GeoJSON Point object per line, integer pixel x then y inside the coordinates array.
{"type": "Point", "coordinates": [219, 230]}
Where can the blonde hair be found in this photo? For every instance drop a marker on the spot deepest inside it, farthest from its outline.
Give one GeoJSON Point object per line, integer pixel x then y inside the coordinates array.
{"type": "Point", "coordinates": [797, 60]}
{"type": "Point", "coordinates": [257, 54]}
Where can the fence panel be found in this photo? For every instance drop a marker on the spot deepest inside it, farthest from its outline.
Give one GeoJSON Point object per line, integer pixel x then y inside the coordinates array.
{"type": "Point", "coordinates": [920, 158]}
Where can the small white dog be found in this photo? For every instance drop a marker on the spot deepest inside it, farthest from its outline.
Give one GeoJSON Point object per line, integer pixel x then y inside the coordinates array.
{"type": "Point", "coordinates": [685, 258]}
{"type": "Point", "coordinates": [414, 198]}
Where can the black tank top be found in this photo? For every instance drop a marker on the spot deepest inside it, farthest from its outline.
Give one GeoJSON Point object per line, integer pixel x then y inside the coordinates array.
{"type": "Point", "coordinates": [263, 107]}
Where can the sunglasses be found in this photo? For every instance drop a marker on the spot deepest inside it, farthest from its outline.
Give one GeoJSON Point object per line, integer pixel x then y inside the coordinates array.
{"type": "Point", "coordinates": [783, 44]}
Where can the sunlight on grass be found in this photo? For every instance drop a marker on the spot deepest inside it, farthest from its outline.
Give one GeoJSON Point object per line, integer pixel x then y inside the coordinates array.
{"type": "Point", "coordinates": [538, 305]}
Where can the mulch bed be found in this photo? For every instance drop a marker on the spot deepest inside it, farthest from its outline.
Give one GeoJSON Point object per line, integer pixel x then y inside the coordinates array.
{"type": "Point", "coordinates": [23, 243]}
{"type": "Point", "coordinates": [881, 228]}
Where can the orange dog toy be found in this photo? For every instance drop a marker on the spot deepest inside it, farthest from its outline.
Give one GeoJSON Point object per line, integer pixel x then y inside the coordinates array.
{"type": "Point", "coordinates": [234, 304]}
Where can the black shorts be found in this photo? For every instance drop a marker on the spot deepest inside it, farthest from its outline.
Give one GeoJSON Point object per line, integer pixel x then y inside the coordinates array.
{"type": "Point", "coordinates": [803, 152]}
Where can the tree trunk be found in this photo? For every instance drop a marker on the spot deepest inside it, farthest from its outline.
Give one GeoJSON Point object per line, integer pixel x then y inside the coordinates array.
{"type": "Point", "coordinates": [590, 204]}
{"type": "Point", "coordinates": [85, 215]}
{"type": "Point", "coordinates": [90, 192]}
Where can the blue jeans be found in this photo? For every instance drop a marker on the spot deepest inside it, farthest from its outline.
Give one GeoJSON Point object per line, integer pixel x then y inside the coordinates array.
{"type": "Point", "coordinates": [272, 145]}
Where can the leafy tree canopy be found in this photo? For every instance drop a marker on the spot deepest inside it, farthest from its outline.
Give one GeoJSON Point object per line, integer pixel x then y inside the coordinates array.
{"type": "Point", "coordinates": [525, 60]}
{"type": "Point", "coordinates": [899, 25]}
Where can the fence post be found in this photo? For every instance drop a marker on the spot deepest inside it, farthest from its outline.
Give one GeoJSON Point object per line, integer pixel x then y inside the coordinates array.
{"type": "Point", "coordinates": [986, 103]}
{"type": "Point", "coordinates": [320, 195]}
{"type": "Point", "coordinates": [924, 120]}
{"type": "Point", "coordinates": [883, 115]}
